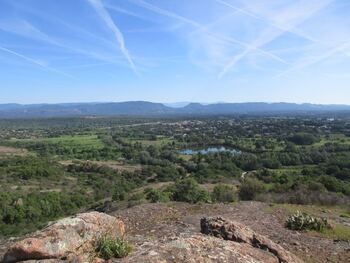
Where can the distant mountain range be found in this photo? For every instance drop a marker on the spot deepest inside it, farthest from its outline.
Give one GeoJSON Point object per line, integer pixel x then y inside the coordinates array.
{"type": "Point", "coordinates": [144, 108]}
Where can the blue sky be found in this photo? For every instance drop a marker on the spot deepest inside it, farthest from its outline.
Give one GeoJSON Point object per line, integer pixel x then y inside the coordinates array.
{"type": "Point", "coordinates": [175, 50]}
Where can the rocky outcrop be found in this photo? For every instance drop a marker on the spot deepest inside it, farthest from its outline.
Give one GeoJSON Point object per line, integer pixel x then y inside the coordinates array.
{"type": "Point", "coordinates": [198, 248]}
{"type": "Point", "coordinates": [224, 242]}
{"type": "Point", "coordinates": [73, 240]}
{"type": "Point", "coordinates": [68, 238]}
{"type": "Point", "coordinates": [236, 232]}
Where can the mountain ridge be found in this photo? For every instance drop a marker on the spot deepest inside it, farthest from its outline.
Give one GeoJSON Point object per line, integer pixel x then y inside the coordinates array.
{"type": "Point", "coordinates": [146, 108]}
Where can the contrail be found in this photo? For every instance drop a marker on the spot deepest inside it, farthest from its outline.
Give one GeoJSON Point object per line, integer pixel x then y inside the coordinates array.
{"type": "Point", "coordinates": [36, 33]}
{"type": "Point", "coordinates": [337, 49]}
{"type": "Point", "coordinates": [264, 40]}
{"type": "Point", "coordinates": [195, 24]}
{"type": "Point", "coordinates": [126, 12]}
{"type": "Point", "coordinates": [292, 30]}
{"type": "Point", "coordinates": [35, 62]}
{"type": "Point", "coordinates": [233, 61]}
{"type": "Point", "coordinates": [104, 15]}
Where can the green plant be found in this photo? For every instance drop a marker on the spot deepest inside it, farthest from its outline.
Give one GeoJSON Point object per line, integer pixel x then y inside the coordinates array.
{"type": "Point", "coordinates": [155, 195]}
{"type": "Point", "coordinates": [188, 190]}
{"type": "Point", "coordinates": [303, 138]}
{"type": "Point", "coordinates": [338, 232]}
{"type": "Point", "coordinates": [303, 221]}
{"type": "Point", "coordinates": [250, 188]}
{"type": "Point", "coordinates": [223, 193]}
{"type": "Point", "coordinates": [119, 193]}
{"type": "Point", "coordinates": [108, 247]}
{"type": "Point", "coordinates": [137, 196]}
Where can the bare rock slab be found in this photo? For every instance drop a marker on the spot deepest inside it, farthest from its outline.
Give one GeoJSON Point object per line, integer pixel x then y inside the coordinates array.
{"type": "Point", "coordinates": [197, 248]}
{"type": "Point", "coordinates": [233, 231]}
{"type": "Point", "coordinates": [68, 237]}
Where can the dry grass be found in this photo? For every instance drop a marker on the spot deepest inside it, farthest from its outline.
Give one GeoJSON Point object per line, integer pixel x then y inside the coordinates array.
{"type": "Point", "coordinates": [115, 165]}
{"type": "Point", "coordinates": [10, 151]}
{"type": "Point", "coordinates": [338, 232]}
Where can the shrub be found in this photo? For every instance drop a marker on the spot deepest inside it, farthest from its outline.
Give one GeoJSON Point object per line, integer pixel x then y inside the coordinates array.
{"type": "Point", "coordinates": [108, 247]}
{"type": "Point", "coordinates": [250, 188]}
{"type": "Point", "coordinates": [331, 183]}
{"type": "Point", "coordinates": [303, 221]}
{"type": "Point", "coordinates": [306, 197]}
{"type": "Point", "coordinates": [316, 186]}
{"type": "Point", "coordinates": [188, 190]}
{"type": "Point", "coordinates": [137, 196]}
{"type": "Point", "coordinates": [136, 199]}
{"type": "Point", "coordinates": [119, 193]}
{"type": "Point", "coordinates": [302, 138]}
{"type": "Point", "coordinates": [223, 193]}
{"type": "Point", "coordinates": [155, 195]}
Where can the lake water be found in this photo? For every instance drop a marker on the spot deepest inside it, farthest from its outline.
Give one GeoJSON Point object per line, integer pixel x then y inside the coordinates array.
{"type": "Point", "coordinates": [209, 150]}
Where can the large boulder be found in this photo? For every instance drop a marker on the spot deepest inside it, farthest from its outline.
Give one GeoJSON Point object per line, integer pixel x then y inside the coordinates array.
{"type": "Point", "coordinates": [233, 231]}
{"type": "Point", "coordinates": [67, 238]}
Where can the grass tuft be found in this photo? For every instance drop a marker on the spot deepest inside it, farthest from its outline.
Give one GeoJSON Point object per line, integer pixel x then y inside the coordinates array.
{"type": "Point", "coordinates": [338, 232]}
{"type": "Point", "coordinates": [108, 247]}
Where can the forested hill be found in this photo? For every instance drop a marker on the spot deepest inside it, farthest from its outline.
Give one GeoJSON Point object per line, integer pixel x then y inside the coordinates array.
{"type": "Point", "coordinates": [144, 108]}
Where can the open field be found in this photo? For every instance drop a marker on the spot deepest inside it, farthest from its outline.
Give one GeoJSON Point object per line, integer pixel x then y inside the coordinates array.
{"type": "Point", "coordinates": [333, 138]}
{"type": "Point", "coordinates": [160, 141]}
{"type": "Point", "coordinates": [81, 141]}
{"type": "Point", "coordinates": [8, 151]}
{"type": "Point", "coordinates": [115, 165]}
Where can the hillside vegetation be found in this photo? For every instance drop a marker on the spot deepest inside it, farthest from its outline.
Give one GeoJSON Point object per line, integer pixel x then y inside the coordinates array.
{"type": "Point", "coordinates": [50, 168]}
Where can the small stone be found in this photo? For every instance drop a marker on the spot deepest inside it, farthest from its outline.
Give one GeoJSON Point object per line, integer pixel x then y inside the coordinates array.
{"type": "Point", "coordinates": [296, 243]}
{"type": "Point", "coordinates": [153, 253]}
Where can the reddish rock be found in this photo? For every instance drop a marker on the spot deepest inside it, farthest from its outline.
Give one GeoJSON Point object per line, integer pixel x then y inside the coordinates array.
{"type": "Point", "coordinates": [66, 238]}
{"type": "Point", "coordinates": [198, 248]}
{"type": "Point", "coordinates": [237, 232]}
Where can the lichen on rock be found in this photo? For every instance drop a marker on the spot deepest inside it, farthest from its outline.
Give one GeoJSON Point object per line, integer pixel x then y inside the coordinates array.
{"type": "Point", "coordinates": [71, 237]}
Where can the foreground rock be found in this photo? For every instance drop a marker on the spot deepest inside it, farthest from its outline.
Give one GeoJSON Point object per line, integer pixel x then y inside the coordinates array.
{"type": "Point", "coordinates": [198, 248]}
{"type": "Point", "coordinates": [73, 240]}
{"type": "Point", "coordinates": [236, 232]}
{"type": "Point", "coordinates": [224, 242]}
{"type": "Point", "coordinates": [67, 239]}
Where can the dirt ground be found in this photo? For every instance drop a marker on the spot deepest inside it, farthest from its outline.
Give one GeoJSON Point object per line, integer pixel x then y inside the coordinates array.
{"type": "Point", "coordinates": [165, 221]}
{"type": "Point", "coordinates": [4, 151]}
{"type": "Point", "coordinates": [162, 222]}
{"type": "Point", "coordinates": [119, 166]}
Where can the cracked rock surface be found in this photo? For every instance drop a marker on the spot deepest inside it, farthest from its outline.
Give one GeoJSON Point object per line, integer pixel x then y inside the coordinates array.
{"type": "Point", "coordinates": [245, 232]}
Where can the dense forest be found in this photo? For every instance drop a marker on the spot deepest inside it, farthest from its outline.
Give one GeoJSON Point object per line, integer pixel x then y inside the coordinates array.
{"type": "Point", "coordinates": [53, 167]}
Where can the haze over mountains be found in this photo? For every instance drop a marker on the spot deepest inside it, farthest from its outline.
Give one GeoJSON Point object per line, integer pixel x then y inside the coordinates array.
{"type": "Point", "coordinates": [144, 108]}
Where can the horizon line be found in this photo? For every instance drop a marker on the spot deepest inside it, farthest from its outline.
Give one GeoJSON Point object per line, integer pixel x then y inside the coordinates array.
{"type": "Point", "coordinates": [176, 102]}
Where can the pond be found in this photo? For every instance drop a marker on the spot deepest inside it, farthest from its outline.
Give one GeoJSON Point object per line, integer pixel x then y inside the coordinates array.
{"type": "Point", "coordinates": [209, 150]}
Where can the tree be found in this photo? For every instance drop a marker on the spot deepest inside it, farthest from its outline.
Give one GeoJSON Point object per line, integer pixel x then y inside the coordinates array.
{"type": "Point", "coordinates": [250, 188]}
{"type": "Point", "coordinates": [303, 138]}
{"type": "Point", "coordinates": [188, 190]}
{"type": "Point", "coordinates": [119, 194]}
{"type": "Point", "coordinates": [223, 193]}
{"type": "Point", "coordinates": [155, 195]}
